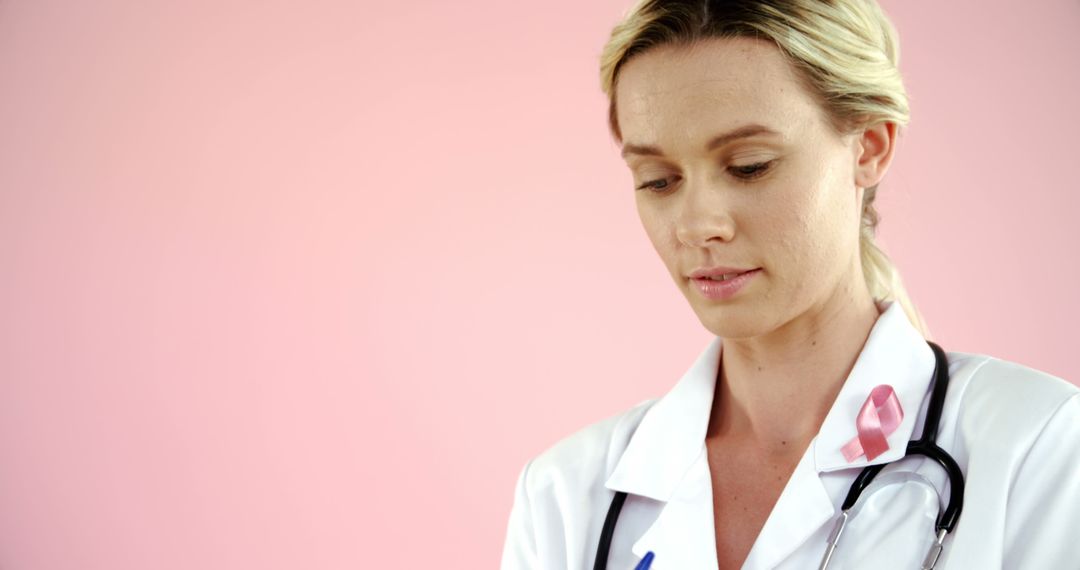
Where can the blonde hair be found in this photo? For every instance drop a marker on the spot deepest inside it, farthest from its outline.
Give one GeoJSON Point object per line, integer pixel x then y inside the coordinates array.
{"type": "Point", "coordinates": [845, 51]}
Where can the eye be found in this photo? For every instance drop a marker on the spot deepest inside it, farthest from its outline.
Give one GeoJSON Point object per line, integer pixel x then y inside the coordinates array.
{"type": "Point", "coordinates": [750, 171]}
{"type": "Point", "coordinates": [657, 186]}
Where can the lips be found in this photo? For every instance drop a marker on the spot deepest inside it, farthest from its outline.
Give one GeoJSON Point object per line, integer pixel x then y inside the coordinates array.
{"type": "Point", "coordinates": [716, 289]}
{"type": "Point", "coordinates": [724, 277]}
{"type": "Point", "coordinates": [719, 273]}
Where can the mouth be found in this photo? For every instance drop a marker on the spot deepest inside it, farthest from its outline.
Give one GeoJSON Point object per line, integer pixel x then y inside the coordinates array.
{"type": "Point", "coordinates": [726, 276]}
{"type": "Point", "coordinates": [723, 286]}
{"type": "Point", "coordinates": [720, 274]}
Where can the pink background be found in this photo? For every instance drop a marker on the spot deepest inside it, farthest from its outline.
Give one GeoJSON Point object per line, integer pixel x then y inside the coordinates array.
{"type": "Point", "coordinates": [304, 284]}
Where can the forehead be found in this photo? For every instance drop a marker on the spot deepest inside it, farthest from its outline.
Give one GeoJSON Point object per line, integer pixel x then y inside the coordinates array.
{"type": "Point", "coordinates": [693, 92]}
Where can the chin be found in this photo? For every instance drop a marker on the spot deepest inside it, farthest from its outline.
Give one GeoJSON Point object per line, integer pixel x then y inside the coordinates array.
{"type": "Point", "coordinates": [731, 321]}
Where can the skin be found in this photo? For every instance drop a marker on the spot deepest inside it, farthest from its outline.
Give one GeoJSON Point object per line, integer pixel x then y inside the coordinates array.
{"type": "Point", "coordinates": [788, 203]}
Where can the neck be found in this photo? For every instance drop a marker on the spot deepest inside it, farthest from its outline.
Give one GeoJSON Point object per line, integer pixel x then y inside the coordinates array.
{"type": "Point", "coordinates": [775, 390]}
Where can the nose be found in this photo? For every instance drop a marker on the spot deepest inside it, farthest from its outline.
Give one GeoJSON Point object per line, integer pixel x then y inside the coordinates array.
{"type": "Point", "coordinates": [705, 215]}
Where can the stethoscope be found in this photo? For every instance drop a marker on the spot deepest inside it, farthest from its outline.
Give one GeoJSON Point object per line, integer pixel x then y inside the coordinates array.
{"type": "Point", "coordinates": [926, 446]}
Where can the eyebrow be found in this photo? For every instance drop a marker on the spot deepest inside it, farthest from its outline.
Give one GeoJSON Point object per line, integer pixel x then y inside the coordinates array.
{"type": "Point", "coordinates": [719, 140]}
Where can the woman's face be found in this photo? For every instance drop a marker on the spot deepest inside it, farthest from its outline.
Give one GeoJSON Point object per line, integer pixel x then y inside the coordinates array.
{"type": "Point", "coordinates": [783, 199]}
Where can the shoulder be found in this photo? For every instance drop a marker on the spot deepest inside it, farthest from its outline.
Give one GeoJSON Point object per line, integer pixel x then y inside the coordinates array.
{"type": "Point", "coordinates": [1003, 405]}
{"type": "Point", "coordinates": [1019, 433]}
{"type": "Point", "coordinates": [1000, 385]}
{"type": "Point", "coordinates": [587, 455]}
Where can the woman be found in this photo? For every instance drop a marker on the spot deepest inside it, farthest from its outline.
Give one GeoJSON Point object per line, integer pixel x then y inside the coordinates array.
{"type": "Point", "coordinates": [757, 132]}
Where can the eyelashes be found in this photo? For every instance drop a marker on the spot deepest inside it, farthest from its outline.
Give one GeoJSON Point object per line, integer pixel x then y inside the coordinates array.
{"type": "Point", "coordinates": [751, 171]}
{"type": "Point", "coordinates": [744, 173]}
{"type": "Point", "coordinates": [651, 185]}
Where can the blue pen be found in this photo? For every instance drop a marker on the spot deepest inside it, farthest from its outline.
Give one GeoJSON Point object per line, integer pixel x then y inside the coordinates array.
{"type": "Point", "coordinates": [646, 562]}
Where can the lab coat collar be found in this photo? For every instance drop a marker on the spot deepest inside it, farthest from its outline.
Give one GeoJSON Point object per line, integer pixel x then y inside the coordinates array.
{"type": "Point", "coordinates": [671, 435]}
{"type": "Point", "coordinates": [895, 354]}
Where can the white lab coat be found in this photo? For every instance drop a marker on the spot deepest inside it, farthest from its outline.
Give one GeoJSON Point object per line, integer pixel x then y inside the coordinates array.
{"type": "Point", "coordinates": [1014, 431]}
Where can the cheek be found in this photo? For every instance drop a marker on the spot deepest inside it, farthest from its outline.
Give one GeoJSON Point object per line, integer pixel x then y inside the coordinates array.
{"type": "Point", "coordinates": [796, 223]}
{"type": "Point", "coordinates": [659, 230]}
{"type": "Point", "coordinates": [811, 228]}
{"type": "Point", "coordinates": [829, 223]}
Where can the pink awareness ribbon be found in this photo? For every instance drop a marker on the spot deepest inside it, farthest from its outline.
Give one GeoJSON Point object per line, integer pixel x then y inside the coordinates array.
{"type": "Point", "coordinates": [880, 416]}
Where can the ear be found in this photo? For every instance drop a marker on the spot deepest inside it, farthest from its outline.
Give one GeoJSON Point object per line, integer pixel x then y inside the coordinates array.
{"type": "Point", "coordinates": [873, 153]}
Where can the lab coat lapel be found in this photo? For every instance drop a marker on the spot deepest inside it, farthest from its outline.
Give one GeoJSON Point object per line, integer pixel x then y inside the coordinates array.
{"type": "Point", "coordinates": [671, 435]}
{"type": "Point", "coordinates": [895, 354]}
{"type": "Point", "coordinates": [665, 460]}
{"type": "Point", "coordinates": [683, 536]}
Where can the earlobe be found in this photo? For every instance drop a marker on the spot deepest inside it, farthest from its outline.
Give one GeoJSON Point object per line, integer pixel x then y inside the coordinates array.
{"type": "Point", "coordinates": [875, 148]}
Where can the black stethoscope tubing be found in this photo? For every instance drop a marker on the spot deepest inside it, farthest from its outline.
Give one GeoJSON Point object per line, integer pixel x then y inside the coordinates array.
{"type": "Point", "coordinates": [926, 446]}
